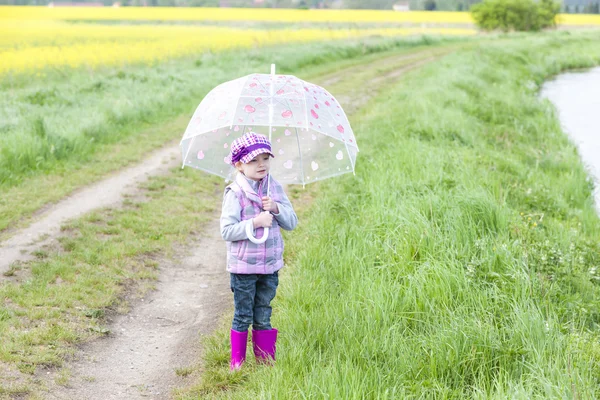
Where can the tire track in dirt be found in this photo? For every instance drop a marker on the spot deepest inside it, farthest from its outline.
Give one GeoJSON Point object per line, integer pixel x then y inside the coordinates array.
{"type": "Point", "coordinates": [357, 100]}
{"type": "Point", "coordinates": [146, 346]}
{"type": "Point", "coordinates": [334, 78]}
{"type": "Point", "coordinates": [138, 360]}
{"type": "Point", "coordinates": [106, 193]}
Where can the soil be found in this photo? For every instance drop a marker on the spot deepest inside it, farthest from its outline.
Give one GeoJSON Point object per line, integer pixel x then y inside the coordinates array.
{"type": "Point", "coordinates": [140, 358]}
{"type": "Point", "coordinates": [109, 192]}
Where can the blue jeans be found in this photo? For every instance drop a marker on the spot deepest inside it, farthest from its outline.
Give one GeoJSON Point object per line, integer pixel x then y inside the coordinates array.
{"type": "Point", "coordinates": [252, 296]}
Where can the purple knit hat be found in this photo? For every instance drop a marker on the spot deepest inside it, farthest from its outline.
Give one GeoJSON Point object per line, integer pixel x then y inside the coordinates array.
{"type": "Point", "coordinates": [247, 147]}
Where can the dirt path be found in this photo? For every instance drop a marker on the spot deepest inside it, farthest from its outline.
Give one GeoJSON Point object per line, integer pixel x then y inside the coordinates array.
{"type": "Point", "coordinates": [146, 346]}
{"type": "Point", "coordinates": [108, 192]}
{"type": "Point", "coordinates": [139, 358]}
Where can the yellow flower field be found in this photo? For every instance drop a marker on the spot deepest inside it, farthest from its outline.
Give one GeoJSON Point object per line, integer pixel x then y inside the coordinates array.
{"type": "Point", "coordinates": [578, 19]}
{"type": "Point", "coordinates": [58, 44]}
{"type": "Point", "coordinates": [256, 14]}
{"type": "Point", "coordinates": [35, 38]}
{"type": "Point", "coordinates": [231, 14]}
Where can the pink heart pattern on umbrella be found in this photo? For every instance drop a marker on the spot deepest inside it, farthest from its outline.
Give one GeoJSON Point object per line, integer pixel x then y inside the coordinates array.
{"type": "Point", "coordinates": [315, 136]}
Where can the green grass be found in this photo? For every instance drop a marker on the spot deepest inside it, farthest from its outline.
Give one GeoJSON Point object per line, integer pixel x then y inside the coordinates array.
{"type": "Point", "coordinates": [460, 262]}
{"type": "Point", "coordinates": [81, 125]}
{"type": "Point", "coordinates": [61, 299]}
{"type": "Point", "coordinates": [64, 296]}
{"type": "Point", "coordinates": [52, 122]}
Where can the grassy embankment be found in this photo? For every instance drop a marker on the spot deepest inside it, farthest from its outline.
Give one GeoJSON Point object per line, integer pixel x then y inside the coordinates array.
{"type": "Point", "coordinates": [83, 125]}
{"type": "Point", "coordinates": [59, 300]}
{"type": "Point", "coordinates": [463, 259]}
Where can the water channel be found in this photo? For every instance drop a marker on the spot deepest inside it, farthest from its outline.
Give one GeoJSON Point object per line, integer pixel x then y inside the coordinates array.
{"type": "Point", "coordinates": [576, 96]}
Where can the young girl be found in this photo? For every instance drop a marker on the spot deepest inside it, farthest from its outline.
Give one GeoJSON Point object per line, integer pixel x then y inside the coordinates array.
{"type": "Point", "coordinates": [254, 267]}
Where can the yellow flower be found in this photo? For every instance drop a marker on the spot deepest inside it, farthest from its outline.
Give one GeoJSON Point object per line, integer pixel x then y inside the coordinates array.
{"type": "Point", "coordinates": [35, 38]}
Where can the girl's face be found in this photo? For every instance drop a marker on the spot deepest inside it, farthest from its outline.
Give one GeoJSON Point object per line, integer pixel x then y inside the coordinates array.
{"type": "Point", "coordinates": [257, 168]}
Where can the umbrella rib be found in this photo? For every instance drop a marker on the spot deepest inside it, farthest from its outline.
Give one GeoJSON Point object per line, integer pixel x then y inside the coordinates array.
{"type": "Point", "coordinates": [336, 119]}
{"type": "Point", "coordinates": [263, 100]}
{"type": "Point", "coordinates": [344, 139]}
{"type": "Point", "coordinates": [278, 98]}
{"type": "Point", "coordinates": [349, 157]}
{"type": "Point", "coordinates": [284, 104]}
{"type": "Point", "coordinates": [337, 139]}
{"type": "Point", "coordinates": [344, 135]}
{"type": "Point", "coordinates": [188, 152]}
{"type": "Point", "coordinates": [343, 112]}
{"type": "Point", "coordinates": [331, 114]}
{"type": "Point", "coordinates": [238, 101]}
{"type": "Point", "coordinates": [281, 87]}
{"type": "Point", "coordinates": [305, 112]}
{"type": "Point", "coordinates": [263, 86]}
{"type": "Point", "coordinates": [288, 107]}
{"type": "Point", "coordinates": [300, 155]}
{"type": "Point", "coordinates": [258, 102]}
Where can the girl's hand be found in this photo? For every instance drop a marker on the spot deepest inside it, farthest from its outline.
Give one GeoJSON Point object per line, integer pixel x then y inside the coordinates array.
{"type": "Point", "coordinates": [269, 205]}
{"type": "Point", "coordinates": [264, 220]}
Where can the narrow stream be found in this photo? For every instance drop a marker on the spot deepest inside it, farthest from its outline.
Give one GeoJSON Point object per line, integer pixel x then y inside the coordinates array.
{"type": "Point", "coordinates": [576, 96]}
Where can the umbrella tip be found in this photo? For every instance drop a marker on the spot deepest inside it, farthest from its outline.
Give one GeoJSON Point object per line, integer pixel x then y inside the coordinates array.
{"type": "Point", "coordinates": [272, 69]}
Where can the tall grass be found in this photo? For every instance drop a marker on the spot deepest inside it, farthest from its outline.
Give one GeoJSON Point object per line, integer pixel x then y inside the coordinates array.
{"type": "Point", "coordinates": [61, 298]}
{"type": "Point", "coordinates": [104, 259]}
{"type": "Point", "coordinates": [460, 262]}
{"type": "Point", "coordinates": [50, 123]}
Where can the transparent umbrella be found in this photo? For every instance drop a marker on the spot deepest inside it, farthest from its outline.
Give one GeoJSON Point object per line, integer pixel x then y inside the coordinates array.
{"type": "Point", "coordinates": [309, 132]}
{"type": "Point", "coordinates": [308, 129]}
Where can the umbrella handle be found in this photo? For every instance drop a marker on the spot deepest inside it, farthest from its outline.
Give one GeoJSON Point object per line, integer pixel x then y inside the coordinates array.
{"type": "Point", "coordinates": [253, 239]}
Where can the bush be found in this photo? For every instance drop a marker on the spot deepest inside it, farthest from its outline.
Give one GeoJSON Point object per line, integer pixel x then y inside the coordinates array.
{"type": "Point", "coordinates": [515, 15]}
{"type": "Point", "coordinates": [429, 5]}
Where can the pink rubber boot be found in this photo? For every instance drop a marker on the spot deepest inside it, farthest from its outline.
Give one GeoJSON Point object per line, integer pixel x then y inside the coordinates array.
{"type": "Point", "coordinates": [238, 349]}
{"type": "Point", "coordinates": [264, 345]}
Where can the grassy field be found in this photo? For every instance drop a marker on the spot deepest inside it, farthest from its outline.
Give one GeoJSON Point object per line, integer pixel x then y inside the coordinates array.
{"type": "Point", "coordinates": [124, 111]}
{"type": "Point", "coordinates": [78, 94]}
{"type": "Point", "coordinates": [460, 262]}
{"type": "Point", "coordinates": [59, 300]}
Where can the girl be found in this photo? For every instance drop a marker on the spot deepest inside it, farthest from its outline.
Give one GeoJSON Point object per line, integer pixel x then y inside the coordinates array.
{"type": "Point", "coordinates": [254, 267]}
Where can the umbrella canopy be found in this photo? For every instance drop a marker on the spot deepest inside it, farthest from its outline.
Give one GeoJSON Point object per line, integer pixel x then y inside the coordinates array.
{"type": "Point", "coordinates": [310, 134]}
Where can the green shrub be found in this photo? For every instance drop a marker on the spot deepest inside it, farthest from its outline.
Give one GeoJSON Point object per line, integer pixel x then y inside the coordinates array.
{"type": "Point", "coordinates": [515, 15]}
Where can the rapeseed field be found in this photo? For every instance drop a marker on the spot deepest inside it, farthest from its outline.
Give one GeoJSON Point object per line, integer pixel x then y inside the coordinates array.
{"type": "Point", "coordinates": [33, 39]}
{"type": "Point", "coordinates": [29, 46]}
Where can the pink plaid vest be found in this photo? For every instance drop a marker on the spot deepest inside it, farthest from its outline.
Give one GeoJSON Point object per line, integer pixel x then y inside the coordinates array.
{"type": "Point", "coordinates": [243, 256]}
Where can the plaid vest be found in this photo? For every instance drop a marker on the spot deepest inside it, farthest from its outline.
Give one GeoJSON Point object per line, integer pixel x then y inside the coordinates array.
{"type": "Point", "coordinates": [243, 256]}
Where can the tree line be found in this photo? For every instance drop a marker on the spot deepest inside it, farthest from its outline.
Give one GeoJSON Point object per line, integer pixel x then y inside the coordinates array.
{"type": "Point", "coordinates": [432, 5]}
{"type": "Point", "coordinates": [570, 6]}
